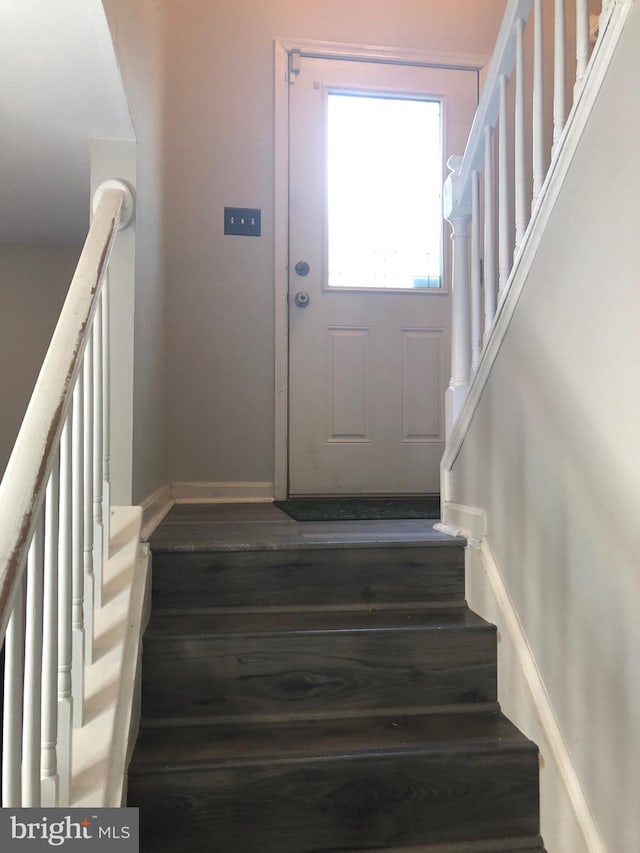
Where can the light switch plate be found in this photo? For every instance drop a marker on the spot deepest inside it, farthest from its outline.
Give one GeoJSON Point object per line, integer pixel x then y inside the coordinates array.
{"type": "Point", "coordinates": [243, 221]}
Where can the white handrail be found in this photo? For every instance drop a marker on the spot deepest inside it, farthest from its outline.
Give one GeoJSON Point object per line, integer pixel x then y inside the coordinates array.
{"type": "Point", "coordinates": [49, 511]}
{"type": "Point", "coordinates": [523, 164]}
{"type": "Point", "coordinates": [23, 485]}
{"type": "Point", "coordinates": [501, 65]}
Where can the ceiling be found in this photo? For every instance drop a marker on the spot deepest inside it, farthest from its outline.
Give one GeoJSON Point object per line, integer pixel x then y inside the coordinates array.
{"type": "Point", "coordinates": [60, 87]}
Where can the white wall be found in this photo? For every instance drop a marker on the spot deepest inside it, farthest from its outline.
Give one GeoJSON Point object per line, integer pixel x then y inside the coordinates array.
{"type": "Point", "coordinates": [553, 456]}
{"type": "Point", "coordinates": [137, 30]}
{"type": "Point", "coordinates": [33, 284]}
{"type": "Point", "coordinates": [60, 88]}
{"type": "Point", "coordinates": [220, 125]}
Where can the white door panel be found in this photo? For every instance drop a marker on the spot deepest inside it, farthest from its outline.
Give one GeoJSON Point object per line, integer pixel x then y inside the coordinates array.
{"type": "Point", "coordinates": [368, 368]}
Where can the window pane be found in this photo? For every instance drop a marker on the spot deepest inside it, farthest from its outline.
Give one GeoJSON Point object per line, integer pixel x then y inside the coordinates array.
{"type": "Point", "coordinates": [384, 192]}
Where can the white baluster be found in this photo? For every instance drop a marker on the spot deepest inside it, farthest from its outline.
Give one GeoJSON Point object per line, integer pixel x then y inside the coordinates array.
{"type": "Point", "coordinates": [49, 727]}
{"type": "Point", "coordinates": [538, 103]}
{"type": "Point", "coordinates": [33, 671]}
{"type": "Point", "coordinates": [582, 44]}
{"type": "Point", "coordinates": [559, 72]}
{"type": "Point", "coordinates": [77, 554]}
{"type": "Point", "coordinates": [505, 256]}
{"type": "Point", "coordinates": [13, 702]}
{"type": "Point", "coordinates": [522, 199]}
{"type": "Point", "coordinates": [489, 237]}
{"type": "Point", "coordinates": [476, 274]}
{"type": "Point", "coordinates": [89, 580]}
{"type": "Point", "coordinates": [106, 417]}
{"type": "Point", "coordinates": [98, 551]}
{"type": "Point", "coordinates": [459, 218]}
{"type": "Point", "coordinates": [64, 616]}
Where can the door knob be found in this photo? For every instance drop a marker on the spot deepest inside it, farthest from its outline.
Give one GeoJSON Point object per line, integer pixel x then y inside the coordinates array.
{"type": "Point", "coordinates": [302, 299]}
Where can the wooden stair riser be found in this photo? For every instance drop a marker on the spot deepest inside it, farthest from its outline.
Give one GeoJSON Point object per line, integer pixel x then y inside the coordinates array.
{"type": "Point", "coordinates": [349, 803]}
{"type": "Point", "coordinates": [318, 577]}
{"type": "Point", "coordinates": [317, 673]}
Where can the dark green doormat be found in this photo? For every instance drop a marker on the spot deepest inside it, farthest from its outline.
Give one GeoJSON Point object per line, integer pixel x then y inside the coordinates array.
{"type": "Point", "coordinates": [360, 509]}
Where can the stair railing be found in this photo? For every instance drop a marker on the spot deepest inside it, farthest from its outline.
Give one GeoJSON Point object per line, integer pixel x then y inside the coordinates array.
{"type": "Point", "coordinates": [54, 529]}
{"type": "Point", "coordinates": [489, 209]}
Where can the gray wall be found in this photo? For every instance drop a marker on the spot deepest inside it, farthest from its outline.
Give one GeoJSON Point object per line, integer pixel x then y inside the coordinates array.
{"type": "Point", "coordinates": [33, 284]}
{"type": "Point", "coordinates": [552, 455]}
{"type": "Point", "coordinates": [137, 31]}
{"type": "Point", "coordinates": [219, 129]}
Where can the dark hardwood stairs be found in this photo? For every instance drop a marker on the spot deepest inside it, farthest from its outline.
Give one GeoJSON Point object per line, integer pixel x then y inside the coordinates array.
{"type": "Point", "coordinates": [320, 699]}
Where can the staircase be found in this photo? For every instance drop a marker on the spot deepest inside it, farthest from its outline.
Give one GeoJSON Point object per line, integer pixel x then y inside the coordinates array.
{"type": "Point", "coordinates": [324, 698]}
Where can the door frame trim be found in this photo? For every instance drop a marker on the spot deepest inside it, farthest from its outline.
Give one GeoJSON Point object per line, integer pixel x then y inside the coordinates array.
{"type": "Point", "coordinates": [283, 48]}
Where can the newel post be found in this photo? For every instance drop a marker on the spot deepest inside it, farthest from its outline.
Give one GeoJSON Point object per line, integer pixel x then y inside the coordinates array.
{"type": "Point", "coordinates": [458, 214]}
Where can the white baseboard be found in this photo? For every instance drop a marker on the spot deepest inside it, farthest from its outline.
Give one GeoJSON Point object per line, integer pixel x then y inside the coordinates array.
{"type": "Point", "coordinates": [567, 823]}
{"type": "Point", "coordinates": [154, 509]}
{"type": "Point", "coordinates": [222, 492]}
{"type": "Point", "coordinates": [102, 745]}
{"type": "Point", "coordinates": [127, 718]}
{"type": "Point", "coordinates": [460, 520]}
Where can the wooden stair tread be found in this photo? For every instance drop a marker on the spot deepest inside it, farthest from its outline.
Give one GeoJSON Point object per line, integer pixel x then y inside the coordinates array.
{"type": "Point", "coordinates": [187, 538]}
{"type": "Point", "coordinates": [241, 742]}
{"type": "Point", "coordinates": [494, 845]}
{"type": "Point", "coordinates": [194, 624]}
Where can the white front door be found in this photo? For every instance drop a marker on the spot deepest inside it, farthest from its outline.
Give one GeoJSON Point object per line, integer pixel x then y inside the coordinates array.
{"type": "Point", "coordinates": [369, 273]}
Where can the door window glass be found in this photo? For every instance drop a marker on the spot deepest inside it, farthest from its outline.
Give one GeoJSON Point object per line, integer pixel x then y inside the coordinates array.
{"type": "Point", "coordinates": [384, 183]}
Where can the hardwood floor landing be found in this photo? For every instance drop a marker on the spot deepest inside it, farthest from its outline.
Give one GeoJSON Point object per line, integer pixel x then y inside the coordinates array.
{"type": "Point", "coordinates": [262, 526]}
